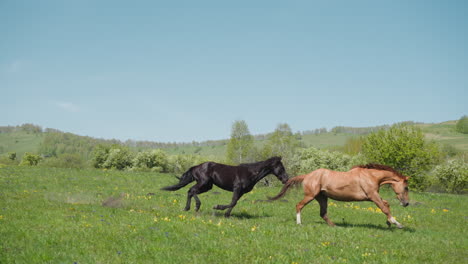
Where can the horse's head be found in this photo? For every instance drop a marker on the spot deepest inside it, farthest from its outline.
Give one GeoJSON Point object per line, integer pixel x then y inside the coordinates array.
{"type": "Point", "coordinates": [278, 170]}
{"type": "Point", "coordinates": [401, 189]}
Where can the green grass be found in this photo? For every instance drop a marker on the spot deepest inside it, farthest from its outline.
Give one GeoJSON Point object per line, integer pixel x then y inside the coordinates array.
{"type": "Point", "coordinates": [20, 142]}
{"type": "Point", "coordinates": [55, 216]}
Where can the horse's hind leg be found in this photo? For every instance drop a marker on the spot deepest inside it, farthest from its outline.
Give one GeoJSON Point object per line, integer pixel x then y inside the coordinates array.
{"type": "Point", "coordinates": [189, 200]}
{"type": "Point", "coordinates": [198, 188]}
{"type": "Point", "coordinates": [323, 202]}
{"type": "Point", "coordinates": [307, 199]}
{"type": "Point", "coordinates": [236, 195]}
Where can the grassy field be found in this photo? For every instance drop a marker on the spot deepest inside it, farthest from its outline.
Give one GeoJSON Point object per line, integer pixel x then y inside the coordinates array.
{"type": "Point", "coordinates": [58, 216]}
{"type": "Point", "coordinates": [20, 142]}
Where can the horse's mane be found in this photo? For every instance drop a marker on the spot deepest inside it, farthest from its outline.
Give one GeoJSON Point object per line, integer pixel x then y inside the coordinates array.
{"type": "Point", "coordinates": [379, 167]}
{"type": "Point", "coordinates": [253, 164]}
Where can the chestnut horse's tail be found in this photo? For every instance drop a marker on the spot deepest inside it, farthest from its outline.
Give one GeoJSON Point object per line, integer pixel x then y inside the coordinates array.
{"type": "Point", "coordinates": [291, 182]}
{"type": "Point", "coordinates": [185, 179]}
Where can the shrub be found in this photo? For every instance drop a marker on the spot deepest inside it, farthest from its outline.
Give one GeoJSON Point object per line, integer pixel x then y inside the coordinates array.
{"type": "Point", "coordinates": [99, 156]}
{"type": "Point", "coordinates": [12, 155]}
{"type": "Point", "coordinates": [403, 147]}
{"type": "Point", "coordinates": [180, 163]}
{"type": "Point", "coordinates": [119, 158]}
{"type": "Point", "coordinates": [310, 159]}
{"type": "Point", "coordinates": [30, 159]}
{"type": "Point", "coordinates": [156, 160]}
{"type": "Point", "coordinates": [453, 176]}
{"type": "Point", "coordinates": [462, 125]}
{"type": "Point", "coordinates": [64, 161]}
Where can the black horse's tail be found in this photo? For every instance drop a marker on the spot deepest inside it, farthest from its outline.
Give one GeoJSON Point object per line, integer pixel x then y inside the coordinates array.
{"type": "Point", "coordinates": [185, 179]}
{"type": "Point", "coordinates": [291, 182]}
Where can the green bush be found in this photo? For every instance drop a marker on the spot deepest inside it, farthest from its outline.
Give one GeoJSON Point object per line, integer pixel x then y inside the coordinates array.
{"type": "Point", "coordinates": [30, 159]}
{"type": "Point", "coordinates": [156, 160]}
{"type": "Point", "coordinates": [64, 161]}
{"type": "Point", "coordinates": [119, 158]}
{"type": "Point", "coordinates": [453, 176]}
{"type": "Point", "coordinates": [181, 163]}
{"type": "Point", "coordinates": [404, 148]}
{"type": "Point", "coordinates": [99, 155]}
{"type": "Point", "coordinates": [462, 125]}
{"type": "Point", "coordinates": [310, 159]}
{"type": "Point", "coordinates": [12, 155]}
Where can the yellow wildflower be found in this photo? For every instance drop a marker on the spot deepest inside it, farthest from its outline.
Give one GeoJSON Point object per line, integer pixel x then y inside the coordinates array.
{"type": "Point", "coordinates": [445, 210]}
{"type": "Point", "coordinates": [325, 244]}
{"type": "Point", "coordinates": [253, 228]}
{"type": "Point", "coordinates": [433, 211]}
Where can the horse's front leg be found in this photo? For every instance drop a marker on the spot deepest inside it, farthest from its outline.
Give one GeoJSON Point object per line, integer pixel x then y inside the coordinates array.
{"type": "Point", "coordinates": [237, 193]}
{"type": "Point", "coordinates": [385, 207]}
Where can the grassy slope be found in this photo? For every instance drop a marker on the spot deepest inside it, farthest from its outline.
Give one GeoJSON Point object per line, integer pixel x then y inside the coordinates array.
{"type": "Point", "coordinates": [445, 133]}
{"type": "Point", "coordinates": [55, 216]}
{"type": "Point", "coordinates": [20, 142]}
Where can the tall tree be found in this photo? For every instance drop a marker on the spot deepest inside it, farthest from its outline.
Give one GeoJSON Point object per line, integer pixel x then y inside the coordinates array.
{"type": "Point", "coordinates": [240, 144]}
{"type": "Point", "coordinates": [282, 142]}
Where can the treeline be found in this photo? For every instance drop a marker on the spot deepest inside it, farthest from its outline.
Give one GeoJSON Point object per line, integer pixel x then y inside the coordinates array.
{"type": "Point", "coordinates": [28, 128]}
{"type": "Point", "coordinates": [58, 143]}
{"type": "Point", "coordinates": [141, 145]}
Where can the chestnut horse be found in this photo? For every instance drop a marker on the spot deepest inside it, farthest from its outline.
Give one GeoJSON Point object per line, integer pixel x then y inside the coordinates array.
{"type": "Point", "coordinates": [237, 179]}
{"type": "Point", "coordinates": [361, 183]}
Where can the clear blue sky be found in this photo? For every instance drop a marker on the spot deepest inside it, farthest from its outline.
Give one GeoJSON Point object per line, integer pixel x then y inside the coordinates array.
{"type": "Point", "coordinates": [185, 70]}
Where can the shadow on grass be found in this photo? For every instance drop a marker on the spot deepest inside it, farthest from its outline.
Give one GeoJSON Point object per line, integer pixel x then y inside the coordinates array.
{"type": "Point", "coordinates": [376, 227]}
{"type": "Point", "coordinates": [241, 215]}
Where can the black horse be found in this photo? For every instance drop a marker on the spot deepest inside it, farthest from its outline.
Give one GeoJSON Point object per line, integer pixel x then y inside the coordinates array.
{"type": "Point", "coordinates": [237, 179]}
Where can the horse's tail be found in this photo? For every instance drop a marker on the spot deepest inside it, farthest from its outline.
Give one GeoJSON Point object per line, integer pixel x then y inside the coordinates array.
{"type": "Point", "coordinates": [185, 179]}
{"type": "Point", "coordinates": [291, 182]}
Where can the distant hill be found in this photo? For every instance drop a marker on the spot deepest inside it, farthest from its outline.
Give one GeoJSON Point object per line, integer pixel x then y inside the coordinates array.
{"type": "Point", "coordinates": [50, 142]}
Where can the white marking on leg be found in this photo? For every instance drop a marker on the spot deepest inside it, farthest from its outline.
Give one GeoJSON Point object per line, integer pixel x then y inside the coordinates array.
{"type": "Point", "coordinates": [394, 221]}
{"type": "Point", "coordinates": [298, 218]}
